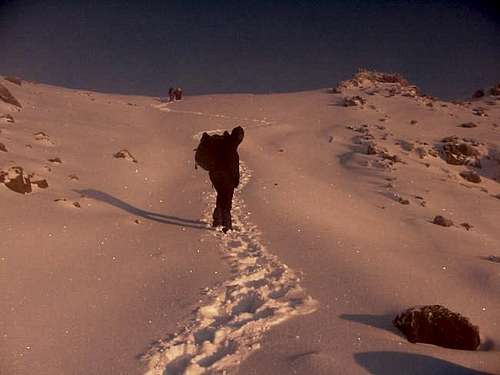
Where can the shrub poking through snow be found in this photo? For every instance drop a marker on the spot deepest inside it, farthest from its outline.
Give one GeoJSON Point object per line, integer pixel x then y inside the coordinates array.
{"type": "Point", "coordinates": [435, 324]}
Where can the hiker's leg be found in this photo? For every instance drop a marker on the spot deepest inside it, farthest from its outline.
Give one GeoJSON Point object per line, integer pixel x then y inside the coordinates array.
{"type": "Point", "coordinates": [227, 201]}
{"type": "Point", "coordinates": [217, 215]}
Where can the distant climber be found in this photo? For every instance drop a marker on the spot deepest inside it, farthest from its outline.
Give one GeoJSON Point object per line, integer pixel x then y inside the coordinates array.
{"type": "Point", "coordinates": [219, 156]}
{"type": "Point", "coordinates": [174, 94]}
{"type": "Point", "coordinates": [178, 93]}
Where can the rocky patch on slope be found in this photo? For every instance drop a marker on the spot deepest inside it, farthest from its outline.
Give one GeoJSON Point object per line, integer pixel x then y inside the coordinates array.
{"type": "Point", "coordinates": [7, 97]}
{"type": "Point", "coordinates": [460, 151]}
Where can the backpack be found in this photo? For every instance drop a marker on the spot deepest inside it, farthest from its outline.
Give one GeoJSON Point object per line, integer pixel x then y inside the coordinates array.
{"type": "Point", "coordinates": [206, 153]}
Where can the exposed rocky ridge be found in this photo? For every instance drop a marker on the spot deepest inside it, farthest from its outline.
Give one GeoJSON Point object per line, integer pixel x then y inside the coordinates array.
{"type": "Point", "coordinates": [393, 83]}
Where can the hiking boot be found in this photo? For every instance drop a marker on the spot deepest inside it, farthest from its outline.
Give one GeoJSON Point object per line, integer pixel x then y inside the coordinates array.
{"type": "Point", "coordinates": [226, 222]}
{"type": "Point", "coordinates": [217, 216]}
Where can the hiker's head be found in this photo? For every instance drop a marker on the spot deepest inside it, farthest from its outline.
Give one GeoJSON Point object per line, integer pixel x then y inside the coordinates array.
{"type": "Point", "coordinates": [237, 135]}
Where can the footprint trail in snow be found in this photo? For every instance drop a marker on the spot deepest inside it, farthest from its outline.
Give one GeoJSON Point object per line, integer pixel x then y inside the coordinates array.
{"type": "Point", "coordinates": [260, 122]}
{"type": "Point", "coordinates": [264, 292]}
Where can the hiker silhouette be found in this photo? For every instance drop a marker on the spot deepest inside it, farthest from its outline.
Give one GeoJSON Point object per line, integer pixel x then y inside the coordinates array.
{"type": "Point", "coordinates": [218, 155]}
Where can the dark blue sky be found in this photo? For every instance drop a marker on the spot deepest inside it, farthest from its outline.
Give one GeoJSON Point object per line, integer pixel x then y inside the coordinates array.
{"type": "Point", "coordinates": [448, 48]}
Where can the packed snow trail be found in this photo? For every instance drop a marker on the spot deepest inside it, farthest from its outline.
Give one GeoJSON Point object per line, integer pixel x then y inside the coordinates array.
{"type": "Point", "coordinates": [264, 292]}
{"type": "Point", "coordinates": [260, 122]}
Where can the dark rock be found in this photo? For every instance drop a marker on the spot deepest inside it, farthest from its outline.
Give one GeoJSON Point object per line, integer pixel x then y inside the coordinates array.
{"type": "Point", "coordinates": [403, 201]}
{"type": "Point", "coordinates": [56, 160]}
{"type": "Point", "coordinates": [405, 145]}
{"type": "Point", "coordinates": [41, 183]}
{"type": "Point", "coordinates": [125, 154]}
{"type": "Point", "coordinates": [468, 125]}
{"type": "Point", "coordinates": [450, 139]}
{"type": "Point", "coordinates": [479, 112]}
{"type": "Point", "coordinates": [433, 153]}
{"type": "Point", "coordinates": [16, 180]}
{"type": "Point", "coordinates": [495, 90]}
{"type": "Point", "coordinates": [353, 101]}
{"type": "Point", "coordinates": [466, 226]}
{"type": "Point", "coordinates": [371, 149]}
{"type": "Point", "coordinates": [7, 97]}
{"type": "Point", "coordinates": [413, 122]}
{"type": "Point", "coordinates": [478, 94]}
{"type": "Point", "coordinates": [2, 147]}
{"type": "Point", "coordinates": [441, 220]}
{"type": "Point", "coordinates": [493, 258]}
{"type": "Point", "coordinates": [471, 176]}
{"type": "Point", "coordinates": [435, 324]}
{"type": "Point", "coordinates": [393, 158]}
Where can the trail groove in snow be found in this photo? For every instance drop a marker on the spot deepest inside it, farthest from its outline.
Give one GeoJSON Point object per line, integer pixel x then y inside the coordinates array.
{"type": "Point", "coordinates": [263, 292]}
{"type": "Point", "coordinates": [260, 122]}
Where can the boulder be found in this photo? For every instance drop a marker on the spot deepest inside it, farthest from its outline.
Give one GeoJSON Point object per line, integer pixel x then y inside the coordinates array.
{"type": "Point", "coordinates": [441, 220]}
{"type": "Point", "coordinates": [455, 152]}
{"type": "Point", "coordinates": [352, 101]}
{"type": "Point", "coordinates": [16, 180]}
{"type": "Point", "coordinates": [471, 176]}
{"type": "Point", "coordinates": [435, 324]}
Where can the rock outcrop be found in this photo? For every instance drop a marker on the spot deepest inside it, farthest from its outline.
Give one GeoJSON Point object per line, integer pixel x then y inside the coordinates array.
{"type": "Point", "coordinates": [458, 151]}
{"type": "Point", "coordinates": [7, 97]}
{"type": "Point", "coordinates": [393, 83]}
